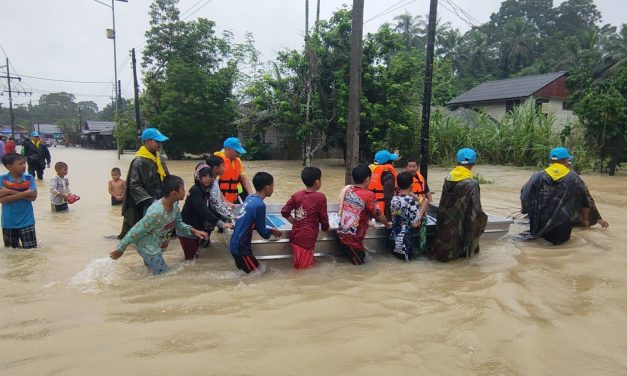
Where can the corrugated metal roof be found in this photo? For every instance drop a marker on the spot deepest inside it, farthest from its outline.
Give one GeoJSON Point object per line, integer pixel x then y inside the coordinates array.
{"type": "Point", "coordinates": [98, 126]}
{"type": "Point", "coordinates": [519, 87]}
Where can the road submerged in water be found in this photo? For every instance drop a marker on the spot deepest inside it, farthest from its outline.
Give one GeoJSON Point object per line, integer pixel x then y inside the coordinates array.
{"type": "Point", "coordinates": [516, 309]}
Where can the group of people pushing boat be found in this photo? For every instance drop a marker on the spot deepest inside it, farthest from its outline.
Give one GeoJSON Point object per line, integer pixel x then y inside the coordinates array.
{"type": "Point", "coordinates": [555, 200]}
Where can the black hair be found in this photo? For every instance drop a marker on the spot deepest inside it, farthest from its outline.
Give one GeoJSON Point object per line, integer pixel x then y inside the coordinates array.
{"type": "Point", "coordinates": [310, 175]}
{"type": "Point", "coordinates": [11, 138]}
{"type": "Point", "coordinates": [262, 180]}
{"type": "Point", "coordinates": [171, 183]}
{"type": "Point", "coordinates": [411, 160]}
{"type": "Point", "coordinates": [360, 173]}
{"type": "Point", "coordinates": [116, 169]}
{"type": "Point", "coordinates": [59, 165]}
{"type": "Point", "coordinates": [214, 161]}
{"type": "Point", "coordinates": [9, 159]}
{"type": "Point", "coordinates": [404, 180]}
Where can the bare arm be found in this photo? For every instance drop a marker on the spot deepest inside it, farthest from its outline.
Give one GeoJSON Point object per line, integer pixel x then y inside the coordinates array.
{"type": "Point", "coordinates": [29, 195]}
{"type": "Point", "coordinates": [111, 188]}
{"type": "Point", "coordinates": [246, 184]}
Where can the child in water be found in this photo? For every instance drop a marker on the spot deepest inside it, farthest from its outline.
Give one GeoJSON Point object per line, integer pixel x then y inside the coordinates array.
{"type": "Point", "coordinates": [198, 210]}
{"type": "Point", "coordinates": [408, 215]}
{"type": "Point", "coordinates": [17, 192]}
{"type": "Point", "coordinates": [116, 187]}
{"type": "Point", "coordinates": [151, 233]}
{"type": "Point", "coordinates": [60, 195]}
{"type": "Point", "coordinates": [306, 210]}
{"type": "Point", "coordinates": [358, 205]}
{"type": "Point", "coordinates": [251, 216]}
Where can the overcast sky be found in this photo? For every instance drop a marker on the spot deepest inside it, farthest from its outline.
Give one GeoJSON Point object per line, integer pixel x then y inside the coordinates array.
{"type": "Point", "coordinates": [65, 39]}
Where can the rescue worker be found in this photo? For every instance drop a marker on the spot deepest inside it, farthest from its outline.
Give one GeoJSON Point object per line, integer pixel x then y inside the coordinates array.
{"type": "Point", "coordinates": [234, 184]}
{"type": "Point", "coordinates": [419, 186]}
{"type": "Point", "coordinates": [37, 155]}
{"type": "Point", "coordinates": [555, 199]}
{"type": "Point", "coordinates": [383, 180]}
{"type": "Point", "coordinates": [143, 183]}
{"type": "Point", "coordinates": [461, 220]}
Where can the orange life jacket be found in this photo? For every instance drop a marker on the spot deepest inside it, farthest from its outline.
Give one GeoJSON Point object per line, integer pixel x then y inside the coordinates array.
{"type": "Point", "coordinates": [418, 185]}
{"type": "Point", "coordinates": [230, 179]}
{"type": "Point", "coordinates": [376, 185]}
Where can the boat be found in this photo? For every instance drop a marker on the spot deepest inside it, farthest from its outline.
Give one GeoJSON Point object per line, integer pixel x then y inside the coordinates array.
{"type": "Point", "coordinates": [327, 243]}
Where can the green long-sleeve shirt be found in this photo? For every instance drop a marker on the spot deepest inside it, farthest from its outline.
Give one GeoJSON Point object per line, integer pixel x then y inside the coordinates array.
{"type": "Point", "coordinates": [151, 233]}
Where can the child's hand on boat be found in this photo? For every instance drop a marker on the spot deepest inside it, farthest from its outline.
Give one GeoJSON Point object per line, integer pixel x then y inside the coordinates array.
{"type": "Point", "coordinates": [276, 233]}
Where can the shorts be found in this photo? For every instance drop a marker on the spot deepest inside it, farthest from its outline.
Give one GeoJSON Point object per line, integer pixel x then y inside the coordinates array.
{"type": "Point", "coordinates": [302, 258]}
{"type": "Point", "coordinates": [115, 202]}
{"type": "Point", "coordinates": [59, 208]}
{"type": "Point", "coordinates": [26, 235]}
{"type": "Point", "coordinates": [156, 264]}
{"type": "Point", "coordinates": [355, 256]}
{"type": "Point", "coordinates": [247, 263]}
{"type": "Point", "coordinates": [190, 247]}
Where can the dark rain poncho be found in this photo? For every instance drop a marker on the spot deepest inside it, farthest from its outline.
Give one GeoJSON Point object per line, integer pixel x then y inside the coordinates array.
{"type": "Point", "coordinates": [143, 186]}
{"type": "Point", "coordinates": [460, 223]}
{"type": "Point", "coordinates": [552, 206]}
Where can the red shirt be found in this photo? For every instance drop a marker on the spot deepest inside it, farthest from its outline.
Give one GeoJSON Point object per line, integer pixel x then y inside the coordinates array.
{"type": "Point", "coordinates": [9, 147]}
{"type": "Point", "coordinates": [358, 206]}
{"type": "Point", "coordinates": [310, 210]}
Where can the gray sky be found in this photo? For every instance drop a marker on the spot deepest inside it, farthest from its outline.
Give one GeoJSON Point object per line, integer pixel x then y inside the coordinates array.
{"type": "Point", "coordinates": [65, 39]}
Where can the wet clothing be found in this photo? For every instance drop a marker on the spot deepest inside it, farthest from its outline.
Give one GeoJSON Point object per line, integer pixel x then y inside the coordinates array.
{"type": "Point", "coordinates": [309, 210]}
{"type": "Point", "coordinates": [593, 213]}
{"type": "Point", "coordinates": [405, 211]}
{"type": "Point", "coordinates": [553, 199]}
{"type": "Point", "coordinates": [1, 148]}
{"type": "Point", "coordinates": [59, 186]}
{"type": "Point", "coordinates": [358, 206]}
{"type": "Point", "coordinates": [37, 155]}
{"type": "Point", "coordinates": [191, 247]}
{"type": "Point", "coordinates": [251, 216]}
{"type": "Point", "coordinates": [217, 203]}
{"type": "Point", "coordinates": [115, 201]}
{"type": "Point", "coordinates": [143, 187]}
{"type": "Point", "coordinates": [59, 208]}
{"type": "Point", "coordinates": [18, 214]}
{"type": "Point", "coordinates": [230, 181]}
{"type": "Point", "coordinates": [14, 236]}
{"type": "Point", "coordinates": [461, 220]}
{"type": "Point", "coordinates": [152, 233]}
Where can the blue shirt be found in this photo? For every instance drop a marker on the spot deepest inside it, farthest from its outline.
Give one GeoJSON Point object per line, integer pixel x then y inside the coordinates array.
{"type": "Point", "coordinates": [19, 213]}
{"type": "Point", "coordinates": [251, 216]}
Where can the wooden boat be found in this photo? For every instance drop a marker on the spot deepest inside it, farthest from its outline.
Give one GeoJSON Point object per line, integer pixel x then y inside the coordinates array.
{"type": "Point", "coordinates": [327, 243]}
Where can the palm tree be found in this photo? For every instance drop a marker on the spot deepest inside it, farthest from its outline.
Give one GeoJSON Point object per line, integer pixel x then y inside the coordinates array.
{"type": "Point", "coordinates": [412, 28]}
{"type": "Point", "coordinates": [517, 45]}
{"type": "Point", "coordinates": [448, 43]}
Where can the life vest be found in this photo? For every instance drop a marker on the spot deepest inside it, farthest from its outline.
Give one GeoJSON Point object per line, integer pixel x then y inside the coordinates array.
{"type": "Point", "coordinates": [230, 179]}
{"type": "Point", "coordinates": [376, 185]}
{"type": "Point", "coordinates": [418, 185]}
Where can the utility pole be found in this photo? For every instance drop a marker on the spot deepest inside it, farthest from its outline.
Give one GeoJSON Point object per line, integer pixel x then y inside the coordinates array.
{"type": "Point", "coordinates": [119, 94]}
{"type": "Point", "coordinates": [136, 92]}
{"type": "Point", "coordinates": [354, 91]}
{"type": "Point", "coordinates": [307, 141]}
{"type": "Point", "coordinates": [318, 17]}
{"type": "Point", "coordinates": [9, 78]}
{"type": "Point", "coordinates": [80, 126]}
{"type": "Point", "coordinates": [30, 113]}
{"type": "Point", "coordinates": [426, 98]}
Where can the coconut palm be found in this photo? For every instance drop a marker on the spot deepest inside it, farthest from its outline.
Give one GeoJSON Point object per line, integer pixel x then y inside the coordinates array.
{"type": "Point", "coordinates": [412, 28]}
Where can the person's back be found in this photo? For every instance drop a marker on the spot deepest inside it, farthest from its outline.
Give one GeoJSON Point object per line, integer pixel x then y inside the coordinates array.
{"type": "Point", "coordinates": [407, 217]}
{"type": "Point", "coordinates": [306, 210]}
{"type": "Point", "coordinates": [2, 146]}
{"type": "Point", "coordinates": [552, 199]}
{"type": "Point", "coordinates": [252, 216]}
{"type": "Point", "coordinates": [9, 146]}
{"type": "Point", "coordinates": [461, 220]}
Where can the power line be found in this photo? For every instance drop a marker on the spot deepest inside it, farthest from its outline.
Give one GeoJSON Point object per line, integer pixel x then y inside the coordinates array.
{"type": "Point", "coordinates": [62, 80]}
{"type": "Point", "coordinates": [190, 8]}
{"type": "Point", "coordinates": [196, 11]}
{"type": "Point", "coordinates": [389, 10]}
{"type": "Point", "coordinates": [456, 10]}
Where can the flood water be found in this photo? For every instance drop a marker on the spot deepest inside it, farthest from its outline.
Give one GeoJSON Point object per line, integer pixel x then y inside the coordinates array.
{"type": "Point", "coordinates": [516, 309]}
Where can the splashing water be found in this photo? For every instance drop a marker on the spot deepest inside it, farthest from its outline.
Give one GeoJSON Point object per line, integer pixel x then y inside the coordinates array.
{"type": "Point", "coordinates": [97, 272]}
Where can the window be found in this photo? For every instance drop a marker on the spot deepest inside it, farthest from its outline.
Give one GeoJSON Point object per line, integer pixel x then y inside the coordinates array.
{"type": "Point", "coordinates": [509, 105]}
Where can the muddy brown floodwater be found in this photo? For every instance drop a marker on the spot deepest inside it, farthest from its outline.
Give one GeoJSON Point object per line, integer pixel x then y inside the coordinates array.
{"type": "Point", "coordinates": [516, 309]}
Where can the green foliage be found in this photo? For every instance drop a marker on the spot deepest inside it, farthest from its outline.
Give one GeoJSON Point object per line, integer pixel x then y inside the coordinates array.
{"type": "Point", "coordinates": [125, 133]}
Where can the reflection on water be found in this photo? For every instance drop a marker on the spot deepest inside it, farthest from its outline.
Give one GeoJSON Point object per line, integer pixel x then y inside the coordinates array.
{"type": "Point", "coordinates": [517, 308]}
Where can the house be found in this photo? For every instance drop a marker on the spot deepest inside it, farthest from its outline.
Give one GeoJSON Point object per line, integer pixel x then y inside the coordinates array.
{"type": "Point", "coordinates": [97, 134]}
{"type": "Point", "coordinates": [496, 98]}
{"type": "Point", "coordinates": [49, 130]}
{"type": "Point", "coordinates": [20, 132]}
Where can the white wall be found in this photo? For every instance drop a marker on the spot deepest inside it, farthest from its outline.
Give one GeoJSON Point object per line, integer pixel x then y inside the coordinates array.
{"type": "Point", "coordinates": [562, 117]}
{"type": "Point", "coordinates": [496, 109]}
